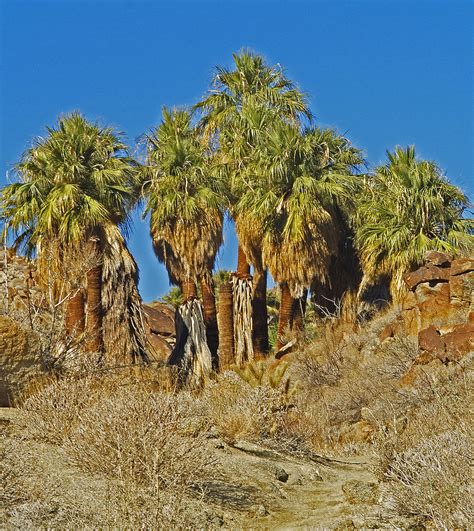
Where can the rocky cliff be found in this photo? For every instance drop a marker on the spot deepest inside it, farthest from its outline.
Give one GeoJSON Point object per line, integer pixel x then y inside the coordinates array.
{"type": "Point", "coordinates": [439, 308]}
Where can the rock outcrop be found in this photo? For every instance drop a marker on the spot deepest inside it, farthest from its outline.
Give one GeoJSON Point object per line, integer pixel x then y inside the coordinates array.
{"type": "Point", "coordinates": [18, 285]}
{"type": "Point", "coordinates": [439, 308]}
{"type": "Point", "coordinates": [160, 329]}
{"type": "Point", "coordinates": [20, 359]}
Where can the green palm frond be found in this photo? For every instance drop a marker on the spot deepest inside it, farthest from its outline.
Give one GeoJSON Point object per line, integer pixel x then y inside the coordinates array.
{"type": "Point", "coordinates": [408, 207]}
{"type": "Point", "coordinates": [184, 196]}
{"type": "Point", "coordinates": [70, 182]}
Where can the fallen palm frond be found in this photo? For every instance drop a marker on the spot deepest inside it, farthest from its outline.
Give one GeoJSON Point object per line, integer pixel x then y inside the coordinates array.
{"type": "Point", "coordinates": [191, 353]}
{"type": "Point", "coordinates": [242, 296]}
{"type": "Point", "coordinates": [124, 331]}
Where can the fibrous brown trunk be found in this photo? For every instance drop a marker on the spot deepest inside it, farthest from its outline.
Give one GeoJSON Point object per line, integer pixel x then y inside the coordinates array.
{"type": "Point", "coordinates": [243, 266]}
{"type": "Point", "coordinates": [95, 340]}
{"type": "Point", "coordinates": [75, 315]}
{"type": "Point", "coordinates": [286, 312]}
{"type": "Point", "coordinates": [299, 310]}
{"type": "Point", "coordinates": [210, 318]}
{"type": "Point", "coordinates": [188, 287]}
{"type": "Point", "coordinates": [226, 325]}
{"type": "Point", "coordinates": [260, 313]}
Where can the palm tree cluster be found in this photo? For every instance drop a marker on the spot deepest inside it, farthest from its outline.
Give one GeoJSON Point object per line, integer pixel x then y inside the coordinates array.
{"type": "Point", "coordinates": [304, 206]}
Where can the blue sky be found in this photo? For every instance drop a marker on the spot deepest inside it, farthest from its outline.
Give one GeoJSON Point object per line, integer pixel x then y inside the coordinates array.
{"type": "Point", "coordinates": [384, 72]}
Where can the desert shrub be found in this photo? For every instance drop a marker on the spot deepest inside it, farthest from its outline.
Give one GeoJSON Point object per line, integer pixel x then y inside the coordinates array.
{"type": "Point", "coordinates": [147, 443]}
{"type": "Point", "coordinates": [54, 410]}
{"type": "Point", "coordinates": [434, 480]}
{"type": "Point", "coordinates": [150, 438]}
{"type": "Point", "coordinates": [55, 404]}
{"type": "Point", "coordinates": [425, 455]}
{"type": "Point", "coordinates": [249, 403]}
{"type": "Point", "coordinates": [39, 493]}
{"type": "Point", "coordinates": [120, 426]}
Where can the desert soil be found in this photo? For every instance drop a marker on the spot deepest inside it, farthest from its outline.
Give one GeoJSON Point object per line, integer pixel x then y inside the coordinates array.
{"type": "Point", "coordinates": [259, 488]}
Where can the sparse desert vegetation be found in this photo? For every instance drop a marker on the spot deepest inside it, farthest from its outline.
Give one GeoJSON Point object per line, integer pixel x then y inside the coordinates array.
{"type": "Point", "coordinates": [157, 453]}
{"type": "Point", "coordinates": [340, 398]}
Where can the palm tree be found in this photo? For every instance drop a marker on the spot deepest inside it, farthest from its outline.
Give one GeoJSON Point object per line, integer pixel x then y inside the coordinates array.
{"type": "Point", "coordinates": [75, 186]}
{"type": "Point", "coordinates": [184, 199]}
{"type": "Point", "coordinates": [236, 109]}
{"type": "Point", "coordinates": [306, 174]}
{"type": "Point", "coordinates": [407, 208]}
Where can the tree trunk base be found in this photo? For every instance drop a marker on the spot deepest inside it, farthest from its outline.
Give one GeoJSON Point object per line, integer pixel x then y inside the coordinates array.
{"type": "Point", "coordinates": [242, 295]}
{"type": "Point", "coordinates": [191, 353]}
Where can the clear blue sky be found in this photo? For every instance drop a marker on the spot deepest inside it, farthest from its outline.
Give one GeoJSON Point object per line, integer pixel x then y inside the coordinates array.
{"type": "Point", "coordinates": [384, 72]}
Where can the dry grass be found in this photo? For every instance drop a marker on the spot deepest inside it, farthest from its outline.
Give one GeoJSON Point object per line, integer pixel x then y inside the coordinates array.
{"type": "Point", "coordinates": [343, 393]}
{"type": "Point", "coordinates": [145, 443]}
{"type": "Point", "coordinates": [352, 399]}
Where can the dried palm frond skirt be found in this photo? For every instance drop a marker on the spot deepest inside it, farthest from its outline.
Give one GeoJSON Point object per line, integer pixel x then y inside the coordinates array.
{"type": "Point", "coordinates": [243, 293]}
{"type": "Point", "coordinates": [191, 353]}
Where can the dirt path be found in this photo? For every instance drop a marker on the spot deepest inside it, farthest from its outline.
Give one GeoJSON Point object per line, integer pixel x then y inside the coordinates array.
{"type": "Point", "coordinates": [258, 487]}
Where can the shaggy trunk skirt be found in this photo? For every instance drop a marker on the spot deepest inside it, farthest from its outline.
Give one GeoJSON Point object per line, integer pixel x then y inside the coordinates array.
{"type": "Point", "coordinates": [191, 353]}
{"type": "Point", "coordinates": [243, 345]}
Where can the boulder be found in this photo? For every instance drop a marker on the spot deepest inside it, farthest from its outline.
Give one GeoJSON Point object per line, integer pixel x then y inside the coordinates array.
{"type": "Point", "coordinates": [159, 346]}
{"type": "Point", "coordinates": [387, 332]}
{"type": "Point", "coordinates": [160, 318]}
{"type": "Point", "coordinates": [160, 329]}
{"type": "Point", "coordinates": [427, 273]}
{"type": "Point", "coordinates": [20, 359]}
{"type": "Point", "coordinates": [459, 341]}
{"type": "Point", "coordinates": [430, 340]}
{"type": "Point", "coordinates": [438, 258]}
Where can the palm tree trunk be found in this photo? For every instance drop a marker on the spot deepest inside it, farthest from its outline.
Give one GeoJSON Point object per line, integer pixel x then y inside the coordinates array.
{"type": "Point", "coordinates": [188, 287]}
{"type": "Point", "coordinates": [299, 310]}
{"type": "Point", "coordinates": [243, 266]}
{"type": "Point", "coordinates": [95, 340]}
{"type": "Point", "coordinates": [242, 313]}
{"type": "Point", "coordinates": [286, 312]}
{"type": "Point", "coordinates": [260, 314]}
{"type": "Point", "coordinates": [191, 354]}
{"type": "Point", "coordinates": [210, 318]}
{"type": "Point", "coordinates": [226, 325]}
{"type": "Point", "coordinates": [75, 315]}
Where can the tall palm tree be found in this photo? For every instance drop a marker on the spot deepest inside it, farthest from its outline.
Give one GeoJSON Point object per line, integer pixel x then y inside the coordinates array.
{"type": "Point", "coordinates": [184, 199]}
{"type": "Point", "coordinates": [233, 113]}
{"type": "Point", "coordinates": [407, 208]}
{"type": "Point", "coordinates": [307, 172]}
{"type": "Point", "coordinates": [75, 186]}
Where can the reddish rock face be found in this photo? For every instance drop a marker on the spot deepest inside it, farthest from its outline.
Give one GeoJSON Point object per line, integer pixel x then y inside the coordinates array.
{"type": "Point", "coordinates": [463, 265]}
{"type": "Point", "coordinates": [459, 342]}
{"type": "Point", "coordinates": [160, 328]}
{"type": "Point", "coordinates": [437, 258]}
{"type": "Point", "coordinates": [439, 310]}
{"type": "Point", "coordinates": [426, 274]}
{"type": "Point", "coordinates": [430, 340]}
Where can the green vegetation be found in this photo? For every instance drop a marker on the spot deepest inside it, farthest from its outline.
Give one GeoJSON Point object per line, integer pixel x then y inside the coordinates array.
{"type": "Point", "coordinates": [406, 208]}
{"type": "Point", "coordinates": [308, 210]}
